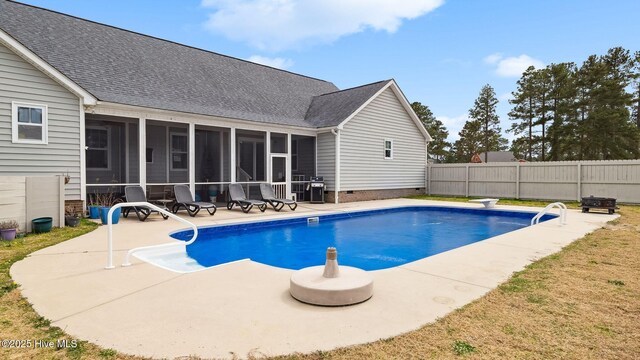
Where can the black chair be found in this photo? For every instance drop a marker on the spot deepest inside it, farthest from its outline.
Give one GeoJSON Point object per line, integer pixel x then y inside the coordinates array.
{"type": "Point", "coordinates": [136, 194]}
{"type": "Point", "coordinates": [266, 191]}
{"type": "Point", "coordinates": [185, 199]}
{"type": "Point", "coordinates": [238, 197]}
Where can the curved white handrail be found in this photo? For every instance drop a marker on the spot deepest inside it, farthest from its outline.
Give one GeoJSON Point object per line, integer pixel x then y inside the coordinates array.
{"type": "Point", "coordinates": [148, 205]}
{"type": "Point", "coordinates": [559, 205]}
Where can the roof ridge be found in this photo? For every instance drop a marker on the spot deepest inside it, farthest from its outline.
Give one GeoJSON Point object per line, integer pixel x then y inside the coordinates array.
{"type": "Point", "coordinates": [355, 87]}
{"type": "Point", "coordinates": [165, 40]}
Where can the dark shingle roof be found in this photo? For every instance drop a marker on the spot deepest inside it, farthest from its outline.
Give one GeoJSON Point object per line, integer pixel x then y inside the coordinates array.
{"type": "Point", "coordinates": [332, 108]}
{"type": "Point", "coordinates": [124, 67]}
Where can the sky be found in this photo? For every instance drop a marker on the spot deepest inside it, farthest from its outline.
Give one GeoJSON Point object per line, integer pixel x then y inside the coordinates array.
{"type": "Point", "coordinates": [440, 52]}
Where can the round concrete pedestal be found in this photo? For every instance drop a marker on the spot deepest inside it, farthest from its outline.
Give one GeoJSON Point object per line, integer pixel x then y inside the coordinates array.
{"type": "Point", "coordinates": [351, 287]}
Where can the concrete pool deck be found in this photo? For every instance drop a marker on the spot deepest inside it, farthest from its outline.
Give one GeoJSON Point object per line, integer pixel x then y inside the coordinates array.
{"type": "Point", "coordinates": [245, 307]}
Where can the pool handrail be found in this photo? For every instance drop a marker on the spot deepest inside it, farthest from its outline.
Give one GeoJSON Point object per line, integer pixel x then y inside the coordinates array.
{"type": "Point", "coordinates": [559, 205]}
{"type": "Point", "coordinates": [145, 204]}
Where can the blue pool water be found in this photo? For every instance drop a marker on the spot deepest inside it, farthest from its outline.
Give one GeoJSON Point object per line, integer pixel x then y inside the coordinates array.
{"type": "Point", "coordinates": [370, 240]}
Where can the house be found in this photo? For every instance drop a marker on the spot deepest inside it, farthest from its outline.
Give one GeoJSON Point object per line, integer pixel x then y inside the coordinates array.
{"type": "Point", "coordinates": [493, 156]}
{"type": "Point", "coordinates": [111, 107]}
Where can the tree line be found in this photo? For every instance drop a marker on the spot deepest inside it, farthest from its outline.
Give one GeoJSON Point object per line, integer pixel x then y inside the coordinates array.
{"type": "Point", "coordinates": [560, 112]}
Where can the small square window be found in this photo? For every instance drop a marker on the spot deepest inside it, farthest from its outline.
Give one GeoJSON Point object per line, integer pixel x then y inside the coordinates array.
{"type": "Point", "coordinates": [388, 149]}
{"type": "Point", "coordinates": [28, 123]}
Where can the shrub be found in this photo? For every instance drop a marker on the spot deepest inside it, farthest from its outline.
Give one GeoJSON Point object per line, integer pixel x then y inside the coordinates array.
{"type": "Point", "coordinates": [9, 224]}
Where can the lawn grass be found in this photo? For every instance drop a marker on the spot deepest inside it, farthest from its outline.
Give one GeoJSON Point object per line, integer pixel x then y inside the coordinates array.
{"type": "Point", "coordinates": [538, 203]}
{"type": "Point", "coordinates": [581, 303]}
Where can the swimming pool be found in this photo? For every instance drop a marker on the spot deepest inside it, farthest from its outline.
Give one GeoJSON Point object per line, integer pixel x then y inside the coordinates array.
{"type": "Point", "coordinates": [370, 240]}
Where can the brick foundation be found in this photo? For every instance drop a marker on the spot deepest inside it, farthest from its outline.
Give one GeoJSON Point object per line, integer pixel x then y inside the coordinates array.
{"type": "Point", "coordinates": [365, 195]}
{"type": "Point", "coordinates": [76, 206]}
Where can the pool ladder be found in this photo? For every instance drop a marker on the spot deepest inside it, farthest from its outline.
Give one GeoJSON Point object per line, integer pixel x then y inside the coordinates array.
{"type": "Point", "coordinates": [151, 206]}
{"type": "Point", "coordinates": [559, 205]}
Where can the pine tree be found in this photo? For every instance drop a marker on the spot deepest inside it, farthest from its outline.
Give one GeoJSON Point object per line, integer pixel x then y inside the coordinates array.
{"type": "Point", "coordinates": [484, 112]}
{"type": "Point", "coordinates": [562, 96]}
{"type": "Point", "coordinates": [524, 112]}
{"type": "Point", "coordinates": [614, 118]}
{"type": "Point", "coordinates": [603, 122]}
{"type": "Point", "coordinates": [439, 148]}
{"type": "Point", "coordinates": [542, 93]}
{"type": "Point", "coordinates": [635, 82]}
{"type": "Point", "coordinates": [470, 142]}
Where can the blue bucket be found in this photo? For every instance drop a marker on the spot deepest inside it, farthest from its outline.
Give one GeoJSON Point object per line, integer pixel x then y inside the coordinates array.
{"type": "Point", "coordinates": [104, 212]}
{"type": "Point", "coordinates": [94, 212]}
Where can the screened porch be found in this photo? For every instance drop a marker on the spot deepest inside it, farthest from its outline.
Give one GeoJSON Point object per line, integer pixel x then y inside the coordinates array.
{"type": "Point", "coordinates": [207, 158]}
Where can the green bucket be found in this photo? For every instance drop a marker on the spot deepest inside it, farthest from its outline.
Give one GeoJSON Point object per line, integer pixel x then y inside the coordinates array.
{"type": "Point", "coordinates": [41, 225]}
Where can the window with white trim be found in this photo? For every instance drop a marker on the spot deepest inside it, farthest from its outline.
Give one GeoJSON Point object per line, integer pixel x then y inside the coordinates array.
{"type": "Point", "coordinates": [388, 149]}
{"type": "Point", "coordinates": [28, 123]}
{"type": "Point", "coordinates": [98, 140]}
{"type": "Point", "coordinates": [179, 152]}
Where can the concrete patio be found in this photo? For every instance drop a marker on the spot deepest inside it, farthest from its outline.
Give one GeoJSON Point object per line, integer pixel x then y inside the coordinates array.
{"type": "Point", "coordinates": [245, 307]}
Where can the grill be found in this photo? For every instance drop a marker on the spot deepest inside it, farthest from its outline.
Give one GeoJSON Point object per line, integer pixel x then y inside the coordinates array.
{"type": "Point", "coordinates": [317, 190]}
{"type": "Point", "coordinates": [592, 202]}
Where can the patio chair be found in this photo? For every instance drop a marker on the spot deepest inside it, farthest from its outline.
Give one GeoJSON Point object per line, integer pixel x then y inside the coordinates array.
{"type": "Point", "coordinates": [185, 199]}
{"type": "Point", "coordinates": [266, 190]}
{"type": "Point", "coordinates": [238, 197]}
{"type": "Point", "coordinates": [136, 194]}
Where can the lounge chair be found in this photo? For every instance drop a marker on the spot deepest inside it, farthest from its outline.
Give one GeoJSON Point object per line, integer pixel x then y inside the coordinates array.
{"type": "Point", "coordinates": [136, 194]}
{"type": "Point", "coordinates": [238, 197]}
{"type": "Point", "coordinates": [267, 195]}
{"type": "Point", "coordinates": [185, 199]}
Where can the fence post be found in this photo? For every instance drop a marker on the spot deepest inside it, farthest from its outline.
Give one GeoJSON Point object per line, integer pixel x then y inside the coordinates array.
{"type": "Point", "coordinates": [518, 180]}
{"type": "Point", "coordinates": [466, 192]}
{"type": "Point", "coordinates": [429, 180]}
{"type": "Point", "coordinates": [579, 181]}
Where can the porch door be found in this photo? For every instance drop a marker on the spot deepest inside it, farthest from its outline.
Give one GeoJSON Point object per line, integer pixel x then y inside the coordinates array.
{"type": "Point", "coordinates": [279, 175]}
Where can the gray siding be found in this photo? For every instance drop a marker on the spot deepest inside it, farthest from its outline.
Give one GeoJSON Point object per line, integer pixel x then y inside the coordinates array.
{"type": "Point", "coordinates": [362, 162]}
{"type": "Point", "coordinates": [20, 81]}
{"type": "Point", "coordinates": [326, 159]}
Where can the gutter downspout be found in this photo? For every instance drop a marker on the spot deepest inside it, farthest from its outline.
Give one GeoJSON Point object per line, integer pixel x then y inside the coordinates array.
{"type": "Point", "coordinates": [336, 186]}
{"type": "Point", "coordinates": [428, 166]}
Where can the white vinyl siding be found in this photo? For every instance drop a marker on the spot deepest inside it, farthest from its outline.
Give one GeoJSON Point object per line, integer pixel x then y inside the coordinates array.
{"type": "Point", "coordinates": [326, 158]}
{"type": "Point", "coordinates": [21, 82]}
{"type": "Point", "coordinates": [362, 162]}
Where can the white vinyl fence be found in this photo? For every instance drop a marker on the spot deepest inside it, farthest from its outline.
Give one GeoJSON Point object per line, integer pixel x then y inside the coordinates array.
{"type": "Point", "coordinates": [560, 180]}
{"type": "Point", "coordinates": [26, 198]}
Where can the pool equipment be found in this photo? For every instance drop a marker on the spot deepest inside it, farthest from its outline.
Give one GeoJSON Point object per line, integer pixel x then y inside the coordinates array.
{"type": "Point", "coordinates": [331, 285]}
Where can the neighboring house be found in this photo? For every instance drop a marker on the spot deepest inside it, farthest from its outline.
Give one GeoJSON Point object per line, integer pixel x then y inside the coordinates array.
{"type": "Point", "coordinates": [110, 108]}
{"type": "Point", "coordinates": [493, 156]}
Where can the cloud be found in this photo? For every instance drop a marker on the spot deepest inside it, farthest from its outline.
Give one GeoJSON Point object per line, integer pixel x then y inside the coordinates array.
{"type": "Point", "coordinates": [282, 24]}
{"type": "Point", "coordinates": [278, 62]}
{"type": "Point", "coordinates": [454, 125]}
{"type": "Point", "coordinates": [512, 66]}
{"type": "Point", "coordinates": [493, 58]}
